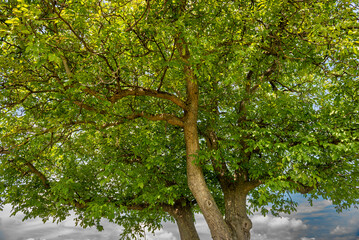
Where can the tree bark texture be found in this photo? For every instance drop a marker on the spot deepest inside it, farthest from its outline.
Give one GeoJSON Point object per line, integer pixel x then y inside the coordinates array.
{"type": "Point", "coordinates": [235, 197]}
{"type": "Point", "coordinates": [185, 222]}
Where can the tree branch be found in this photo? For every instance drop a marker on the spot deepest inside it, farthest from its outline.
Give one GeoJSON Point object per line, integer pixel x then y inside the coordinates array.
{"type": "Point", "coordinates": [66, 65]}
{"type": "Point", "coordinates": [138, 20]}
{"type": "Point", "coordinates": [169, 118]}
{"type": "Point", "coordinates": [4, 150]}
{"type": "Point", "coordinates": [139, 91]}
{"type": "Point", "coordinates": [301, 188]}
{"type": "Point", "coordinates": [89, 108]}
{"type": "Point", "coordinates": [39, 174]}
{"type": "Point", "coordinates": [212, 144]}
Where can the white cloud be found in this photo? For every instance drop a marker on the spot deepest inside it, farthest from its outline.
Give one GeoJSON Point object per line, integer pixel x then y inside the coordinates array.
{"type": "Point", "coordinates": [289, 227]}
{"type": "Point", "coordinates": [39, 239]}
{"type": "Point", "coordinates": [259, 236]}
{"type": "Point", "coordinates": [270, 228]}
{"type": "Point", "coordinates": [341, 230]}
{"type": "Point", "coordinates": [277, 223]}
{"type": "Point", "coordinates": [35, 229]}
{"type": "Point", "coordinates": [348, 229]}
{"type": "Point", "coordinates": [354, 220]}
{"type": "Point", "coordinates": [317, 206]}
{"type": "Point", "coordinates": [202, 227]}
{"type": "Point", "coordinates": [160, 235]}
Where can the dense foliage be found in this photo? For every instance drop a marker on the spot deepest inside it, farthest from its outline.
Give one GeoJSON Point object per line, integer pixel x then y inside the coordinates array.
{"type": "Point", "coordinates": [107, 106]}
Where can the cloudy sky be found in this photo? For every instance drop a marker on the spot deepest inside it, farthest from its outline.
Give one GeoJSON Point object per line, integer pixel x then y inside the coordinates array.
{"type": "Point", "coordinates": [319, 222]}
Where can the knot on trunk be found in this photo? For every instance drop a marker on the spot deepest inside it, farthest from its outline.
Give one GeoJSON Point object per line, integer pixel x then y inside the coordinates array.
{"type": "Point", "coordinates": [247, 224]}
{"type": "Point", "coordinates": [209, 203]}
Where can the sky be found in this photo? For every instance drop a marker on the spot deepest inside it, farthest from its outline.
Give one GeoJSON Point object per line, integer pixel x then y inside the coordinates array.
{"type": "Point", "coordinates": [319, 222]}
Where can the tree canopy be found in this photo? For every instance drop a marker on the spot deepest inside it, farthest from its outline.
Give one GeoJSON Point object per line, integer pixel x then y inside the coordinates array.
{"type": "Point", "coordinates": [142, 111]}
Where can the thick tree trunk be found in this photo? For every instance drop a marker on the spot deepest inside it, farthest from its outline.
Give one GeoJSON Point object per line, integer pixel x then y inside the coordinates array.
{"type": "Point", "coordinates": [236, 212]}
{"type": "Point", "coordinates": [185, 222]}
{"type": "Point", "coordinates": [235, 192]}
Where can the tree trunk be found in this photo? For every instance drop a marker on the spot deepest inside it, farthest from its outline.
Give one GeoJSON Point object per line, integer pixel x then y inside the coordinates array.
{"type": "Point", "coordinates": [196, 182]}
{"type": "Point", "coordinates": [197, 185]}
{"type": "Point", "coordinates": [185, 222]}
{"type": "Point", "coordinates": [235, 197]}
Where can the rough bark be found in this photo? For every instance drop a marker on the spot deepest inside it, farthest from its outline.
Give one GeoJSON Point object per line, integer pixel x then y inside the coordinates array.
{"type": "Point", "coordinates": [235, 194]}
{"type": "Point", "coordinates": [185, 222]}
{"type": "Point", "coordinates": [199, 189]}
{"type": "Point", "coordinates": [236, 215]}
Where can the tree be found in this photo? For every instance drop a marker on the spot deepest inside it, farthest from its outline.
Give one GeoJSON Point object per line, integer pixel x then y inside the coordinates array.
{"type": "Point", "coordinates": [261, 95]}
